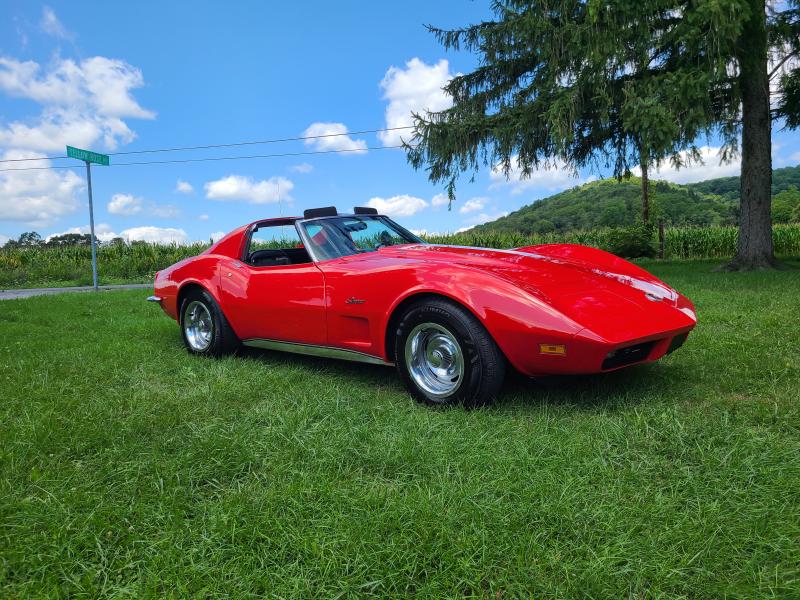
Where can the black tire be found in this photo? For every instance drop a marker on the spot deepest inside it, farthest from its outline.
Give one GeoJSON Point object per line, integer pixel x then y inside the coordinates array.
{"type": "Point", "coordinates": [223, 340]}
{"type": "Point", "coordinates": [484, 365]}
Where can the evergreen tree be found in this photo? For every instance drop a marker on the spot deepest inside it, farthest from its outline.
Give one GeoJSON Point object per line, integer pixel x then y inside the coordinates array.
{"type": "Point", "coordinates": [596, 85]}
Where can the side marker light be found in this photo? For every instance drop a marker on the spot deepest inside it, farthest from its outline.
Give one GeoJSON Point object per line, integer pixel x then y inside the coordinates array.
{"type": "Point", "coordinates": [553, 349]}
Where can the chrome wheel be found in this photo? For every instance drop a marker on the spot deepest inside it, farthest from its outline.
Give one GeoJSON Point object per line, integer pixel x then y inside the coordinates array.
{"type": "Point", "coordinates": [434, 360]}
{"type": "Point", "coordinates": [198, 326]}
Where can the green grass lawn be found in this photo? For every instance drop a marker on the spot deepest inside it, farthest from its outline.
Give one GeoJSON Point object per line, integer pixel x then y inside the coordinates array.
{"type": "Point", "coordinates": [130, 469]}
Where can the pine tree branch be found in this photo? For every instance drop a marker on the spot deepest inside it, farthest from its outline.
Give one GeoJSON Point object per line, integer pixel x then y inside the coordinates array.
{"type": "Point", "coordinates": [782, 62]}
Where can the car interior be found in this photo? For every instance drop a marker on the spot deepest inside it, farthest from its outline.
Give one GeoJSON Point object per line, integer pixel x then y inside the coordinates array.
{"type": "Point", "coordinates": [271, 257]}
{"type": "Point", "coordinates": [276, 245]}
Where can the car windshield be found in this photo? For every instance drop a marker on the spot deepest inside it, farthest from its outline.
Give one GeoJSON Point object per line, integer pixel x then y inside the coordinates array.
{"type": "Point", "coordinates": [334, 237]}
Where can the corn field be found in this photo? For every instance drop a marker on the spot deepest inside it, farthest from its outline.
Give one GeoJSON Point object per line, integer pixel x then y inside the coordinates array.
{"type": "Point", "coordinates": [40, 265]}
{"type": "Point", "coordinates": [679, 242]}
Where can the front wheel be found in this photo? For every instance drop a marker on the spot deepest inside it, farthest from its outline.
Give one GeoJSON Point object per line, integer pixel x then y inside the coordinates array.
{"type": "Point", "coordinates": [204, 328]}
{"type": "Point", "coordinates": [446, 357]}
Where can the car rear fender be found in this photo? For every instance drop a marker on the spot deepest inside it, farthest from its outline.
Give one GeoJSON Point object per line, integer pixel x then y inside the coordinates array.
{"type": "Point", "coordinates": [173, 283]}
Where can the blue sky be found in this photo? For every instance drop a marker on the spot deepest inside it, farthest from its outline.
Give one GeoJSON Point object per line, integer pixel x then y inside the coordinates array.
{"type": "Point", "coordinates": [140, 75]}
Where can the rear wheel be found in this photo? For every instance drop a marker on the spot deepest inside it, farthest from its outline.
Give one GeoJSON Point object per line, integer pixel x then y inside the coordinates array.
{"type": "Point", "coordinates": [204, 328]}
{"type": "Point", "coordinates": [445, 356]}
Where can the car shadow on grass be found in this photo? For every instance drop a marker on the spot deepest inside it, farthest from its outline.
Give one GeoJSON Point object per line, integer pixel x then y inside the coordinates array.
{"type": "Point", "coordinates": [365, 372]}
{"type": "Point", "coordinates": [604, 391]}
{"type": "Point", "coordinates": [622, 388]}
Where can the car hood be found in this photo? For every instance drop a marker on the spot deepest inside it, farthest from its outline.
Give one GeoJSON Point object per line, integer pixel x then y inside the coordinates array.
{"type": "Point", "coordinates": [616, 304]}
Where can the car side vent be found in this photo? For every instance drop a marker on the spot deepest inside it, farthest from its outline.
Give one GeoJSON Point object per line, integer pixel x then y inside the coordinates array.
{"type": "Point", "coordinates": [325, 211]}
{"type": "Point", "coordinates": [365, 210]}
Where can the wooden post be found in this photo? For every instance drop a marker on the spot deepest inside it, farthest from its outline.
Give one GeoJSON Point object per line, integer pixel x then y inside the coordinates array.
{"type": "Point", "coordinates": [661, 238]}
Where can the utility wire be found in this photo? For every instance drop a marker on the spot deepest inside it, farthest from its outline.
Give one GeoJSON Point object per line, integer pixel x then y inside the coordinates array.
{"type": "Point", "coordinates": [210, 159]}
{"type": "Point", "coordinates": [229, 145]}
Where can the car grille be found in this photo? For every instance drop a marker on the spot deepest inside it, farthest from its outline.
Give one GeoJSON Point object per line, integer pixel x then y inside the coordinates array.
{"type": "Point", "coordinates": [627, 356]}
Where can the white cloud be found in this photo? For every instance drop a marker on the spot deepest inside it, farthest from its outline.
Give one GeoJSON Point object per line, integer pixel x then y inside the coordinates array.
{"type": "Point", "coordinates": [473, 205]}
{"type": "Point", "coordinates": [217, 235]}
{"type": "Point", "coordinates": [795, 157]}
{"type": "Point", "coordinates": [398, 206]}
{"type": "Point", "coordinates": [145, 233]}
{"type": "Point", "coordinates": [82, 103]}
{"type": "Point", "coordinates": [203, 217]}
{"type": "Point", "coordinates": [302, 168]}
{"type": "Point", "coordinates": [100, 83]}
{"type": "Point", "coordinates": [775, 82]}
{"type": "Point", "coordinates": [709, 168]}
{"type": "Point", "coordinates": [4, 239]}
{"type": "Point", "coordinates": [552, 179]}
{"type": "Point", "coordinates": [415, 88]}
{"type": "Point", "coordinates": [37, 197]}
{"type": "Point", "coordinates": [484, 218]}
{"type": "Point", "coordinates": [125, 204]}
{"type": "Point", "coordinates": [440, 200]}
{"type": "Point", "coordinates": [52, 26]}
{"type": "Point", "coordinates": [183, 187]}
{"type": "Point", "coordinates": [239, 187]}
{"type": "Point", "coordinates": [155, 235]}
{"type": "Point", "coordinates": [337, 140]}
{"type": "Point", "coordinates": [128, 205]}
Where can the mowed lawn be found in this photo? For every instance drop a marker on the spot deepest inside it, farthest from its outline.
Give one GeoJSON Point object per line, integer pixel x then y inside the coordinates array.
{"type": "Point", "coordinates": [130, 469]}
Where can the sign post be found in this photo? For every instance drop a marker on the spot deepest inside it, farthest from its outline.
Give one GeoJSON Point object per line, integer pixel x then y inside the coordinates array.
{"type": "Point", "coordinates": [101, 159]}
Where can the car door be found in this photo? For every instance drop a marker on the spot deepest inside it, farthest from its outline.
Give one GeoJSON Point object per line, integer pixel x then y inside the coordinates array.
{"type": "Point", "coordinates": [359, 287]}
{"type": "Point", "coordinates": [283, 302]}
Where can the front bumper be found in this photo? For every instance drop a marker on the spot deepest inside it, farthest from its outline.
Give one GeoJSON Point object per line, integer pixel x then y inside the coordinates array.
{"type": "Point", "coordinates": [587, 354]}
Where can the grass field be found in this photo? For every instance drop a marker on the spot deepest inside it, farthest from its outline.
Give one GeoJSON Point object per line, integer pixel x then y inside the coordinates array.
{"type": "Point", "coordinates": [130, 469]}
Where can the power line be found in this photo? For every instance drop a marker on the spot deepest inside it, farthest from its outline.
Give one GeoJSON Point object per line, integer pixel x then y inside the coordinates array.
{"type": "Point", "coordinates": [211, 159]}
{"type": "Point", "coordinates": [228, 145]}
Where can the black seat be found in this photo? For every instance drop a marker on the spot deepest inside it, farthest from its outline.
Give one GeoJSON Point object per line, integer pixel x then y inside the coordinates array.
{"type": "Point", "coordinates": [268, 258]}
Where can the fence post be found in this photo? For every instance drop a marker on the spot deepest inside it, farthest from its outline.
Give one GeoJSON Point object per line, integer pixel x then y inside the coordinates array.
{"type": "Point", "coordinates": [661, 238]}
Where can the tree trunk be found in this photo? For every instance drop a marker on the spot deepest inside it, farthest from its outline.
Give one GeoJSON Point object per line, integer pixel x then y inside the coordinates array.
{"type": "Point", "coordinates": [754, 249]}
{"type": "Point", "coordinates": [645, 192]}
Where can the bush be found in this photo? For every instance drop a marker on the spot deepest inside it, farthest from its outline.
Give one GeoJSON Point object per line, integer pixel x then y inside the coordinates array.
{"type": "Point", "coordinates": [632, 242]}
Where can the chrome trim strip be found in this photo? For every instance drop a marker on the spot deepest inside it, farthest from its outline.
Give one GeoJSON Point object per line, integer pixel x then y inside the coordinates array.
{"type": "Point", "coordinates": [312, 350]}
{"type": "Point", "coordinates": [154, 298]}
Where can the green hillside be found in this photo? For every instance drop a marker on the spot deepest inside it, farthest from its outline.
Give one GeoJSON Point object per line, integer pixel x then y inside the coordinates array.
{"type": "Point", "coordinates": [609, 203]}
{"type": "Point", "coordinates": [728, 187]}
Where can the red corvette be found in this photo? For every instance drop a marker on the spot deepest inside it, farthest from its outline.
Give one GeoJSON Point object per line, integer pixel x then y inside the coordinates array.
{"type": "Point", "coordinates": [360, 287]}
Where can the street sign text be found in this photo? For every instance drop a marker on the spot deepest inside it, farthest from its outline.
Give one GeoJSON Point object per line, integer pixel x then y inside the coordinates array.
{"type": "Point", "coordinates": [87, 155]}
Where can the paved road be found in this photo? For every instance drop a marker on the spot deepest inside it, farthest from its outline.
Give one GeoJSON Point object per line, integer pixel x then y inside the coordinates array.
{"type": "Point", "coordinates": [12, 294]}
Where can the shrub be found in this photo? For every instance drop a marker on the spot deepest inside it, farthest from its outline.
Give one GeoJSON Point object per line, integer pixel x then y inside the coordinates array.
{"type": "Point", "coordinates": [635, 241]}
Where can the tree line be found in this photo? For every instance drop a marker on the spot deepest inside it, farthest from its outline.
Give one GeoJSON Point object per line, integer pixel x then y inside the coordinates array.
{"type": "Point", "coordinates": [32, 238]}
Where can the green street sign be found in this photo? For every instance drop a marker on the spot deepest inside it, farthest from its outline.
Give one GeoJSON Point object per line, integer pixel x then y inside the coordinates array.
{"type": "Point", "coordinates": [87, 155]}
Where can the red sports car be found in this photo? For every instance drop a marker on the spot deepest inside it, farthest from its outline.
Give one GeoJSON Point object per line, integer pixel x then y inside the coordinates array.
{"type": "Point", "coordinates": [451, 318]}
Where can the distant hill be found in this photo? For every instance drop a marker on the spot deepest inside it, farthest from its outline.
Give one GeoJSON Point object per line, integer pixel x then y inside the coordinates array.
{"type": "Point", "coordinates": [728, 187]}
{"type": "Point", "coordinates": [609, 203]}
